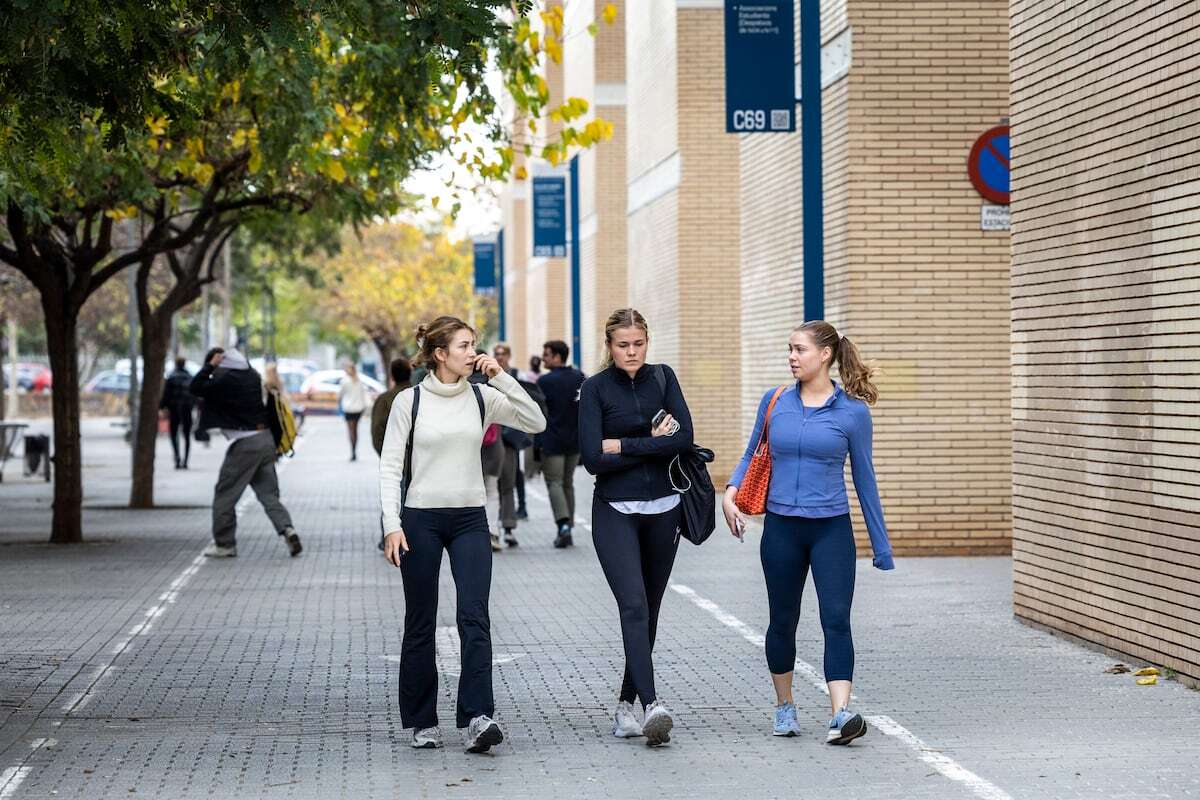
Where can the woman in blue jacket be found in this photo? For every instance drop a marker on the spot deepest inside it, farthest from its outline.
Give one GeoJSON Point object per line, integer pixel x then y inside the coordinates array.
{"type": "Point", "coordinates": [628, 445]}
{"type": "Point", "coordinates": [814, 425]}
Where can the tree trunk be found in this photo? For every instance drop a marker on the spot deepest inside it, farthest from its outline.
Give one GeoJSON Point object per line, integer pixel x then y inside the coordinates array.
{"type": "Point", "coordinates": [67, 525]}
{"type": "Point", "coordinates": [385, 356]}
{"type": "Point", "coordinates": [156, 334]}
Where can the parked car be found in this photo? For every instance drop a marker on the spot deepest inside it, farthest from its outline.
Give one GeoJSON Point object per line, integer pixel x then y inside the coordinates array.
{"type": "Point", "coordinates": [108, 382]}
{"type": "Point", "coordinates": [318, 393]}
{"type": "Point", "coordinates": [31, 376]}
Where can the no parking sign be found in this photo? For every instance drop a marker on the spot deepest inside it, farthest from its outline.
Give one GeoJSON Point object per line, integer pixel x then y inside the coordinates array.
{"type": "Point", "coordinates": [988, 165]}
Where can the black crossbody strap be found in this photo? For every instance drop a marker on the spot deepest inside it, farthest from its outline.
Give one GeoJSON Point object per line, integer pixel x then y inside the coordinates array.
{"type": "Point", "coordinates": [479, 401]}
{"type": "Point", "coordinates": [408, 447]}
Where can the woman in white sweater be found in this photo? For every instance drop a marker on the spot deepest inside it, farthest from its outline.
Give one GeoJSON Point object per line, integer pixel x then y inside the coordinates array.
{"type": "Point", "coordinates": [442, 507]}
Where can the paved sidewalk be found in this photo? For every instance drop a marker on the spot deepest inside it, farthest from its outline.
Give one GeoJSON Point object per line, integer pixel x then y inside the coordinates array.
{"type": "Point", "coordinates": [129, 667]}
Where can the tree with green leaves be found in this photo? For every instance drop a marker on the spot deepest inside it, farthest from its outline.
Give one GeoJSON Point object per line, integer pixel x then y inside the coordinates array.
{"type": "Point", "coordinates": [227, 115]}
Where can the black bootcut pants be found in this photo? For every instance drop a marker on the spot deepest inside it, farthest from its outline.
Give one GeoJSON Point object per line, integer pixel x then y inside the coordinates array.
{"type": "Point", "coordinates": [636, 552]}
{"type": "Point", "coordinates": [463, 533]}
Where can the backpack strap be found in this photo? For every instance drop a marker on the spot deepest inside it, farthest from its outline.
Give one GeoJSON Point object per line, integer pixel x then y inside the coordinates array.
{"type": "Point", "coordinates": [408, 447]}
{"type": "Point", "coordinates": [479, 401]}
{"type": "Point", "coordinates": [660, 377]}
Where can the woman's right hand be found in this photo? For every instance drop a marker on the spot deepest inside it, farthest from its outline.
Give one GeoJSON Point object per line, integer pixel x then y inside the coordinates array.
{"type": "Point", "coordinates": [733, 515]}
{"type": "Point", "coordinates": [395, 545]}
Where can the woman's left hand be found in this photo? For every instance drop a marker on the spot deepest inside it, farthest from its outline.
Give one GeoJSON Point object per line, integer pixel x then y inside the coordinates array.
{"type": "Point", "coordinates": [487, 365]}
{"type": "Point", "coordinates": [611, 446]}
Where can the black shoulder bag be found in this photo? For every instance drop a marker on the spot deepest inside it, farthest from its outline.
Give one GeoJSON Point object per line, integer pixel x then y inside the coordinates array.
{"type": "Point", "coordinates": [689, 477]}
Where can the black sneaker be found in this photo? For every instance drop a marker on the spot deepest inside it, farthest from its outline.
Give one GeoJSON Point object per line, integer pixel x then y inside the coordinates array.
{"type": "Point", "coordinates": [510, 538]}
{"type": "Point", "coordinates": [522, 513]}
{"type": "Point", "coordinates": [564, 537]}
{"type": "Point", "coordinates": [293, 541]}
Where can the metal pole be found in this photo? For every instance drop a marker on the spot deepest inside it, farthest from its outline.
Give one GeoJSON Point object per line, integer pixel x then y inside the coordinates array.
{"type": "Point", "coordinates": [500, 280]}
{"type": "Point", "coordinates": [575, 301]}
{"type": "Point", "coordinates": [12, 366]}
{"type": "Point", "coordinates": [811, 172]}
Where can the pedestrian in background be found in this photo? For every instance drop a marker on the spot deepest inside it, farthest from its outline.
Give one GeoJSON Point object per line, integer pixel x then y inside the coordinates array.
{"type": "Point", "coordinates": [491, 457]}
{"type": "Point", "coordinates": [516, 442]}
{"type": "Point", "coordinates": [633, 420]}
{"type": "Point", "coordinates": [433, 501]}
{"type": "Point", "coordinates": [401, 371]}
{"type": "Point", "coordinates": [352, 400]}
{"type": "Point", "coordinates": [535, 367]}
{"type": "Point", "coordinates": [234, 402]}
{"type": "Point", "coordinates": [179, 403]}
{"type": "Point", "coordinates": [812, 425]}
{"type": "Point", "coordinates": [560, 443]}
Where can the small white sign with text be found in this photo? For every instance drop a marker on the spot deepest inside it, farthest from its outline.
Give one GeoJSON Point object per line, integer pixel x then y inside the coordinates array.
{"type": "Point", "coordinates": [994, 218]}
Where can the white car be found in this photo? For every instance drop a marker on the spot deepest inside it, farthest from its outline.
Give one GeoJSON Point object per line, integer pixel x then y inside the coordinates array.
{"type": "Point", "coordinates": [319, 392]}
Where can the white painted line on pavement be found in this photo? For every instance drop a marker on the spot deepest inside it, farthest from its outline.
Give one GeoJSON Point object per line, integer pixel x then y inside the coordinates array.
{"type": "Point", "coordinates": [943, 764]}
{"type": "Point", "coordinates": [12, 778]}
{"type": "Point", "coordinates": [82, 698]}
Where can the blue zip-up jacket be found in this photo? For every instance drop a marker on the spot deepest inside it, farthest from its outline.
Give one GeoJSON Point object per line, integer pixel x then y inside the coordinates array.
{"type": "Point", "coordinates": [808, 458]}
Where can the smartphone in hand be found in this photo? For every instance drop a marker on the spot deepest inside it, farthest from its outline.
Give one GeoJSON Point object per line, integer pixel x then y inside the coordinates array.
{"type": "Point", "coordinates": [658, 418]}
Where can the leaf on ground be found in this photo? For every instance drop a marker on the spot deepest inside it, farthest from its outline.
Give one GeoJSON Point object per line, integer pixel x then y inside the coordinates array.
{"type": "Point", "coordinates": [1146, 672]}
{"type": "Point", "coordinates": [1147, 681]}
{"type": "Point", "coordinates": [1117, 669]}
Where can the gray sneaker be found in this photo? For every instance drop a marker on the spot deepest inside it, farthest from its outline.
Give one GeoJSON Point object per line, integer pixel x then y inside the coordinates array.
{"type": "Point", "coordinates": [625, 722]}
{"type": "Point", "coordinates": [483, 734]}
{"type": "Point", "coordinates": [657, 725]}
{"type": "Point", "coordinates": [427, 738]}
{"type": "Point", "coordinates": [845, 727]}
{"type": "Point", "coordinates": [217, 551]}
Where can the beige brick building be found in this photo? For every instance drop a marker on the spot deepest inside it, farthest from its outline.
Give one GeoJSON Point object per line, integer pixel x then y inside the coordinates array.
{"type": "Point", "coordinates": [595, 71]}
{"type": "Point", "coordinates": [1106, 324]}
{"type": "Point", "coordinates": [909, 275]}
{"type": "Point", "coordinates": [706, 237]}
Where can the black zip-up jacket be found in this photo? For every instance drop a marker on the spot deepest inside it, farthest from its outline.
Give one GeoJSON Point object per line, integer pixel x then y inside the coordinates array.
{"type": "Point", "coordinates": [232, 399]}
{"type": "Point", "coordinates": [614, 406]}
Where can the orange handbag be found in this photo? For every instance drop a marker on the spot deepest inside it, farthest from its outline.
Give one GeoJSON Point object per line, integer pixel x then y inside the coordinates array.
{"type": "Point", "coordinates": [751, 496]}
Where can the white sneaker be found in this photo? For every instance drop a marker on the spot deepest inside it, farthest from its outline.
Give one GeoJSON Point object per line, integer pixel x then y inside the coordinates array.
{"type": "Point", "coordinates": [658, 724]}
{"type": "Point", "coordinates": [483, 734]}
{"type": "Point", "coordinates": [496, 547]}
{"type": "Point", "coordinates": [625, 723]}
{"type": "Point", "coordinates": [427, 738]}
{"type": "Point", "coordinates": [215, 550]}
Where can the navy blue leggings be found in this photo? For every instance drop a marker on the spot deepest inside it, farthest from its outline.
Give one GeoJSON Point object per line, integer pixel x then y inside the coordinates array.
{"type": "Point", "coordinates": [790, 545]}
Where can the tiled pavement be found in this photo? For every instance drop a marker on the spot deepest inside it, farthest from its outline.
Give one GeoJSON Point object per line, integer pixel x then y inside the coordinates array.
{"type": "Point", "coordinates": [128, 667]}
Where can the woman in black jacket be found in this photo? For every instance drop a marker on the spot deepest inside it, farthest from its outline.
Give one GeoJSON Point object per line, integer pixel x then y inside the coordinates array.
{"type": "Point", "coordinates": [635, 511]}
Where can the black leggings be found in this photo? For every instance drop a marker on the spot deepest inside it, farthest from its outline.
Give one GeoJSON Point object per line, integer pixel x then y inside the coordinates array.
{"type": "Point", "coordinates": [636, 552]}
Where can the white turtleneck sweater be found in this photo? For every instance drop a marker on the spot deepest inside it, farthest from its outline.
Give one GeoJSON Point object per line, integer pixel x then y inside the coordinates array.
{"type": "Point", "coordinates": [447, 472]}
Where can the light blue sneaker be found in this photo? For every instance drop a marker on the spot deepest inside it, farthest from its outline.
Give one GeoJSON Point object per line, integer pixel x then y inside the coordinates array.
{"type": "Point", "coordinates": [845, 727]}
{"type": "Point", "coordinates": [786, 723]}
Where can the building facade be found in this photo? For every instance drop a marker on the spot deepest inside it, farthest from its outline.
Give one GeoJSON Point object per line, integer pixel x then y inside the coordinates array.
{"type": "Point", "coordinates": [1106, 325]}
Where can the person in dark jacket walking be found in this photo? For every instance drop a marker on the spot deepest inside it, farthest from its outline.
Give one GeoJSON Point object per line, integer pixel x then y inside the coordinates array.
{"type": "Point", "coordinates": [633, 420]}
{"type": "Point", "coordinates": [560, 443]}
{"type": "Point", "coordinates": [401, 371]}
{"type": "Point", "coordinates": [178, 402]}
{"type": "Point", "coordinates": [233, 402]}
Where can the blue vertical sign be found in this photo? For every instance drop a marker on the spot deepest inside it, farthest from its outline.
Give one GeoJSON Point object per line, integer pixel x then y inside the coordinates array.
{"type": "Point", "coordinates": [760, 66]}
{"type": "Point", "coordinates": [549, 216]}
{"type": "Point", "coordinates": [485, 267]}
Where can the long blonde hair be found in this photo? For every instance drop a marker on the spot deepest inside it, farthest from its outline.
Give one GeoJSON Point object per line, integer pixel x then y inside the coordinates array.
{"type": "Point", "coordinates": [856, 375]}
{"type": "Point", "coordinates": [621, 318]}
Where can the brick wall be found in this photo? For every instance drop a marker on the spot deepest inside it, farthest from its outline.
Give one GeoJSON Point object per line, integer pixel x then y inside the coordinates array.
{"type": "Point", "coordinates": [909, 277]}
{"type": "Point", "coordinates": [1106, 326]}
